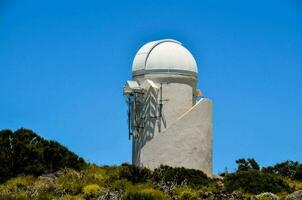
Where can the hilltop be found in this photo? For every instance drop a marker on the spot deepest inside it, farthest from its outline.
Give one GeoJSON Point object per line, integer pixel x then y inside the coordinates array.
{"type": "Point", "coordinates": [34, 168]}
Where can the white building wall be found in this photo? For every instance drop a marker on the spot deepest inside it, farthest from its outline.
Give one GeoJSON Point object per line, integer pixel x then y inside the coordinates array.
{"type": "Point", "coordinates": [186, 143]}
{"type": "Point", "coordinates": [183, 136]}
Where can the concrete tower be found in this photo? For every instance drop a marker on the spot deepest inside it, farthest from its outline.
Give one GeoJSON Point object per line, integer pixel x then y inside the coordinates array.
{"type": "Point", "coordinates": [169, 126]}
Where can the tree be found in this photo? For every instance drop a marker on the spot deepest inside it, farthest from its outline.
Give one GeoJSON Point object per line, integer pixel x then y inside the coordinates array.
{"type": "Point", "coordinates": [25, 152]}
{"type": "Point", "coordinates": [298, 174]}
{"type": "Point", "coordinates": [247, 164]}
{"type": "Point", "coordinates": [181, 175]}
{"type": "Point", "coordinates": [5, 155]}
{"type": "Point", "coordinates": [290, 169]}
{"type": "Point", "coordinates": [255, 182]}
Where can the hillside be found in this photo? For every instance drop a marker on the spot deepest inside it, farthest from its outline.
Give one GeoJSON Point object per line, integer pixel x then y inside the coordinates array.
{"type": "Point", "coordinates": [39, 169]}
{"type": "Point", "coordinates": [25, 152]}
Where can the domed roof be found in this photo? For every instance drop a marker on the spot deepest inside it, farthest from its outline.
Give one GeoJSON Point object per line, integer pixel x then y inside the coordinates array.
{"type": "Point", "coordinates": [164, 56]}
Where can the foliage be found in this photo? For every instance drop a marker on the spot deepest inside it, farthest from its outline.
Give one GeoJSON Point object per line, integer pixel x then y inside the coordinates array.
{"type": "Point", "coordinates": [15, 196]}
{"type": "Point", "coordinates": [20, 182]}
{"type": "Point", "coordinates": [134, 174]}
{"type": "Point", "coordinates": [294, 183]}
{"type": "Point", "coordinates": [24, 156]}
{"type": "Point", "coordinates": [24, 152]}
{"type": "Point", "coordinates": [298, 174]}
{"type": "Point", "coordinates": [95, 174]}
{"type": "Point", "coordinates": [180, 175]}
{"type": "Point", "coordinates": [93, 182]}
{"type": "Point", "coordinates": [121, 185]}
{"type": "Point", "coordinates": [267, 196]}
{"type": "Point", "coordinates": [186, 193]}
{"type": "Point", "coordinates": [255, 182]}
{"type": "Point", "coordinates": [71, 182]}
{"type": "Point", "coordinates": [70, 197]}
{"type": "Point", "coordinates": [247, 164]}
{"type": "Point", "coordinates": [92, 190]}
{"type": "Point", "coordinates": [290, 169]}
{"type": "Point", "coordinates": [146, 194]}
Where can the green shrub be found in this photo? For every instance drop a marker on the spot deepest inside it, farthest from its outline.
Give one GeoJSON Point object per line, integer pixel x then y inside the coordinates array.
{"type": "Point", "coordinates": [255, 182]}
{"type": "Point", "coordinates": [69, 197]}
{"type": "Point", "coordinates": [94, 173]}
{"type": "Point", "coordinates": [22, 195]}
{"type": "Point", "coordinates": [290, 169]}
{"type": "Point", "coordinates": [134, 174]}
{"type": "Point", "coordinates": [17, 188]}
{"type": "Point", "coordinates": [25, 152]}
{"type": "Point", "coordinates": [18, 183]}
{"type": "Point", "coordinates": [146, 194]}
{"type": "Point", "coordinates": [92, 190]}
{"type": "Point", "coordinates": [44, 196]}
{"type": "Point", "coordinates": [247, 164]}
{"type": "Point", "coordinates": [298, 174]}
{"type": "Point", "coordinates": [42, 186]}
{"type": "Point", "coordinates": [70, 182]}
{"type": "Point", "coordinates": [286, 169]}
{"type": "Point", "coordinates": [180, 175]}
{"type": "Point", "coordinates": [185, 193]}
{"type": "Point", "coordinates": [121, 185]}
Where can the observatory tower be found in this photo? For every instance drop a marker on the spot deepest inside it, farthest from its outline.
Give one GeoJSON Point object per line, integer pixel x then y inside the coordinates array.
{"type": "Point", "coordinates": [169, 120]}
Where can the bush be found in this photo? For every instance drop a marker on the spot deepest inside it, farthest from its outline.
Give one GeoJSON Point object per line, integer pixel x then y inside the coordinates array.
{"type": "Point", "coordinates": [134, 174]}
{"type": "Point", "coordinates": [121, 185]}
{"type": "Point", "coordinates": [92, 190]}
{"type": "Point", "coordinates": [43, 186]}
{"type": "Point", "coordinates": [255, 182]}
{"type": "Point", "coordinates": [290, 169]}
{"type": "Point", "coordinates": [18, 184]}
{"type": "Point", "coordinates": [147, 194]}
{"type": "Point", "coordinates": [298, 174]}
{"type": "Point", "coordinates": [22, 195]}
{"type": "Point", "coordinates": [180, 175]}
{"type": "Point", "coordinates": [25, 152]}
{"type": "Point", "coordinates": [94, 174]}
{"type": "Point", "coordinates": [70, 182]}
{"type": "Point", "coordinates": [185, 193]}
{"type": "Point", "coordinates": [68, 197]}
{"type": "Point", "coordinates": [21, 187]}
{"type": "Point", "coordinates": [247, 164]}
{"type": "Point", "coordinates": [44, 196]}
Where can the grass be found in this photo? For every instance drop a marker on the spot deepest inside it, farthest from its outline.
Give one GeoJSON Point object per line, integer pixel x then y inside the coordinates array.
{"type": "Point", "coordinates": [93, 181]}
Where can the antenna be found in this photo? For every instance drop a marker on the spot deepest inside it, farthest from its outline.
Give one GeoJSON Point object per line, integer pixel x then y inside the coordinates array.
{"type": "Point", "coordinates": [130, 133]}
{"type": "Point", "coordinates": [161, 100]}
{"type": "Point", "coordinates": [133, 93]}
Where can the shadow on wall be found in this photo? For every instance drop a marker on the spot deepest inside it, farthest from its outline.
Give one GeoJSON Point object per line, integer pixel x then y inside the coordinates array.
{"type": "Point", "coordinates": [149, 119]}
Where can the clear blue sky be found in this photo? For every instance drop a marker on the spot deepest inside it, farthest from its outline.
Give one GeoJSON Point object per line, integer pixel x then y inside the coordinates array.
{"type": "Point", "coordinates": [63, 65]}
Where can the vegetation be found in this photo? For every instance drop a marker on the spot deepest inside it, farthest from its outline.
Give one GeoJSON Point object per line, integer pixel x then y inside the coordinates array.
{"type": "Point", "coordinates": [180, 175]}
{"type": "Point", "coordinates": [147, 194]}
{"type": "Point", "coordinates": [255, 182]}
{"type": "Point", "coordinates": [93, 182]}
{"type": "Point", "coordinates": [23, 152]}
{"type": "Point", "coordinates": [247, 164]}
{"type": "Point", "coordinates": [290, 169]}
{"type": "Point", "coordinates": [186, 193]}
{"type": "Point", "coordinates": [249, 178]}
{"type": "Point", "coordinates": [134, 174]}
{"type": "Point", "coordinates": [34, 168]}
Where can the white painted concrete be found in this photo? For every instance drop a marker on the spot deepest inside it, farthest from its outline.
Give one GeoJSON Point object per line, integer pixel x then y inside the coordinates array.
{"type": "Point", "coordinates": [164, 55]}
{"type": "Point", "coordinates": [182, 135]}
{"type": "Point", "coordinates": [186, 143]}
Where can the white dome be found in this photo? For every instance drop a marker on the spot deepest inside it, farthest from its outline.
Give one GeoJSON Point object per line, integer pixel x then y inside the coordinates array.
{"type": "Point", "coordinates": [164, 56]}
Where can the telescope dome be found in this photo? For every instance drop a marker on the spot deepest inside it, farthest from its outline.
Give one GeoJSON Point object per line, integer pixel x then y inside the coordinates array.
{"type": "Point", "coordinates": [164, 56]}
